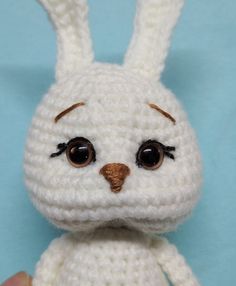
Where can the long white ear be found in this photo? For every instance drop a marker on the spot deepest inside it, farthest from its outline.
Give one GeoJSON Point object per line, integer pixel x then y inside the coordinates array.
{"type": "Point", "coordinates": [70, 18]}
{"type": "Point", "coordinates": [154, 23]}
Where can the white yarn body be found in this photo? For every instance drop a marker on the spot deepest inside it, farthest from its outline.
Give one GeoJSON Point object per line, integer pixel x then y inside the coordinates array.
{"type": "Point", "coordinates": [110, 257]}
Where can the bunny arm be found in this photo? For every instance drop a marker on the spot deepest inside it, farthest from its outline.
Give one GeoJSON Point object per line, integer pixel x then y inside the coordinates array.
{"type": "Point", "coordinates": [174, 264]}
{"type": "Point", "coordinates": [50, 263]}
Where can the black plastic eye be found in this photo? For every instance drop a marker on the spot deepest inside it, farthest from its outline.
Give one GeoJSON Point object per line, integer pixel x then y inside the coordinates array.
{"type": "Point", "coordinates": [150, 155]}
{"type": "Point", "coordinates": [80, 152]}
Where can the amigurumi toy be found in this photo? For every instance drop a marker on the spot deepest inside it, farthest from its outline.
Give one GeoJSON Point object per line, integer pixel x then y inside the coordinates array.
{"type": "Point", "coordinates": [111, 157]}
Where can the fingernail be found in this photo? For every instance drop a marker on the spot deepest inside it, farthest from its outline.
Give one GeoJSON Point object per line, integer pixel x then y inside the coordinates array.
{"type": "Point", "coordinates": [20, 279]}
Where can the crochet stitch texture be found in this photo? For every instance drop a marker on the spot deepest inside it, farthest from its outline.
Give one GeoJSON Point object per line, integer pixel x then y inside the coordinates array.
{"type": "Point", "coordinates": [109, 242]}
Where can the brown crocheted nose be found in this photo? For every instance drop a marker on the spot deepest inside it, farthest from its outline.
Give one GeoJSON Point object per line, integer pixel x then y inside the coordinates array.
{"type": "Point", "coordinates": [115, 174]}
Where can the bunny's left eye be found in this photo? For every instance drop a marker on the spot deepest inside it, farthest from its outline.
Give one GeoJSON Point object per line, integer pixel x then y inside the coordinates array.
{"type": "Point", "coordinates": [79, 152]}
{"type": "Point", "coordinates": [151, 153]}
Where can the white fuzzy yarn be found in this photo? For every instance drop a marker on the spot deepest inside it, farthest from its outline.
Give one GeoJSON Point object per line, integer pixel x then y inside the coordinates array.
{"type": "Point", "coordinates": [154, 23]}
{"type": "Point", "coordinates": [74, 43]}
{"type": "Point", "coordinates": [110, 257]}
{"type": "Point", "coordinates": [116, 118]}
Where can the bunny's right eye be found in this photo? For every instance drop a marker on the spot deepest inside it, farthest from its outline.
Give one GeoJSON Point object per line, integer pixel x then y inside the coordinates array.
{"type": "Point", "coordinates": [79, 152]}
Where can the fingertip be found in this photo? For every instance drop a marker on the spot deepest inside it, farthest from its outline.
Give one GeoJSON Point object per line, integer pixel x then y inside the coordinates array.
{"type": "Point", "coordinates": [20, 279]}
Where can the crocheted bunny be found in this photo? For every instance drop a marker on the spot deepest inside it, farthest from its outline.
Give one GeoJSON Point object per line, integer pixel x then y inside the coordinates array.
{"type": "Point", "coordinates": [112, 158]}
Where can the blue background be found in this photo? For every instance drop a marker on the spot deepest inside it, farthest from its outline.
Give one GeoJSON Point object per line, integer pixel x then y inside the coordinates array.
{"type": "Point", "coordinates": [201, 70]}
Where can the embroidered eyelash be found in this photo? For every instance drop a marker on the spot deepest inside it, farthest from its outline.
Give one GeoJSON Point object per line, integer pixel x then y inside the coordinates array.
{"type": "Point", "coordinates": [167, 150]}
{"type": "Point", "coordinates": [62, 148]}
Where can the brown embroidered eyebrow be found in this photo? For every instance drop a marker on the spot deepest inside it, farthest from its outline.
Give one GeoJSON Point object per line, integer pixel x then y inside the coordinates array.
{"type": "Point", "coordinates": [72, 107]}
{"type": "Point", "coordinates": [166, 114]}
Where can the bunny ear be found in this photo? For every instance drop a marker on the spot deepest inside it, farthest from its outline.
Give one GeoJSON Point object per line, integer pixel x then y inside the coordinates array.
{"type": "Point", "coordinates": [154, 23]}
{"type": "Point", "coordinates": [70, 18]}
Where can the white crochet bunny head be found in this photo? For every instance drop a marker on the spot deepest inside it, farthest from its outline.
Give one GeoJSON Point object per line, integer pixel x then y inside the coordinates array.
{"type": "Point", "coordinates": [109, 144]}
